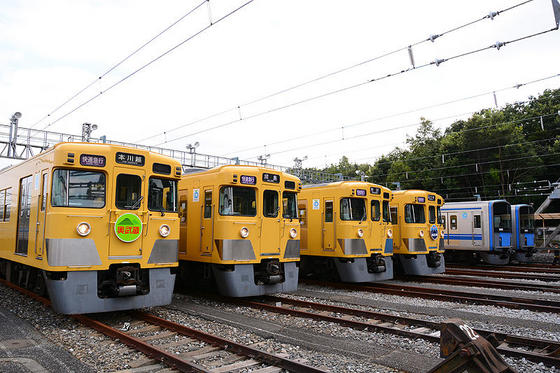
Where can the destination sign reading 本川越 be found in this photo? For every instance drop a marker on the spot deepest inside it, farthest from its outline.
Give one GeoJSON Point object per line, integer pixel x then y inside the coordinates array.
{"type": "Point", "coordinates": [130, 159]}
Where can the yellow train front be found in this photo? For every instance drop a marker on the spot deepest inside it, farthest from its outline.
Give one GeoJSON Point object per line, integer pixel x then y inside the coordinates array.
{"type": "Point", "coordinates": [240, 229]}
{"type": "Point", "coordinates": [417, 232]}
{"type": "Point", "coordinates": [340, 239]}
{"type": "Point", "coordinates": [93, 225]}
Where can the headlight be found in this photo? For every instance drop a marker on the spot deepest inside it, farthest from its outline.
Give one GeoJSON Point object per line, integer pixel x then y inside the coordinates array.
{"type": "Point", "coordinates": [360, 232]}
{"type": "Point", "coordinates": [389, 233]}
{"type": "Point", "coordinates": [244, 232]}
{"type": "Point", "coordinates": [421, 233]}
{"type": "Point", "coordinates": [83, 229]}
{"type": "Point", "coordinates": [442, 234]}
{"type": "Point", "coordinates": [293, 233]}
{"type": "Point", "coordinates": [164, 230]}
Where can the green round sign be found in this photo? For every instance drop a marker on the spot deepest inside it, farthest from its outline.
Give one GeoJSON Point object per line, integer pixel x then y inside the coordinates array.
{"type": "Point", "coordinates": [128, 227]}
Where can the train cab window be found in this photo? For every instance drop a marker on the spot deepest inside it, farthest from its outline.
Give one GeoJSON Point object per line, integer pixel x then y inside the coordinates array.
{"type": "Point", "coordinates": [270, 204]}
{"type": "Point", "coordinates": [375, 212]}
{"type": "Point", "coordinates": [476, 221]}
{"type": "Point", "coordinates": [289, 205]}
{"type": "Point", "coordinates": [328, 211]}
{"type": "Point", "coordinates": [432, 214]}
{"type": "Point", "coordinates": [527, 220]}
{"type": "Point", "coordinates": [386, 214]}
{"type": "Point", "coordinates": [207, 204]}
{"type": "Point", "coordinates": [394, 218]}
{"type": "Point", "coordinates": [162, 195]}
{"type": "Point", "coordinates": [44, 191]}
{"type": "Point", "coordinates": [440, 218]}
{"type": "Point", "coordinates": [352, 209]}
{"type": "Point", "coordinates": [238, 201]}
{"type": "Point", "coordinates": [453, 222]}
{"type": "Point", "coordinates": [129, 196]}
{"type": "Point", "coordinates": [414, 213]}
{"type": "Point", "coordinates": [77, 188]}
{"type": "Point", "coordinates": [502, 217]}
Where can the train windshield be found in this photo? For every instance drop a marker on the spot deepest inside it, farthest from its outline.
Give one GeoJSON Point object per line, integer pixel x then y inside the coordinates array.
{"type": "Point", "coordinates": [162, 195]}
{"type": "Point", "coordinates": [375, 210]}
{"type": "Point", "coordinates": [238, 201]}
{"type": "Point", "coordinates": [129, 195]}
{"type": "Point", "coordinates": [386, 214]}
{"type": "Point", "coordinates": [432, 214]}
{"type": "Point", "coordinates": [526, 218]}
{"type": "Point", "coordinates": [352, 209]}
{"type": "Point", "coordinates": [440, 219]}
{"type": "Point", "coordinates": [289, 205]}
{"type": "Point", "coordinates": [502, 217]}
{"type": "Point", "coordinates": [414, 214]}
{"type": "Point", "coordinates": [77, 188]}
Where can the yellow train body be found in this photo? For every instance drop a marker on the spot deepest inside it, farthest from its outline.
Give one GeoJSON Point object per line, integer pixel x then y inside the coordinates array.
{"type": "Point", "coordinates": [241, 223]}
{"type": "Point", "coordinates": [345, 227]}
{"type": "Point", "coordinates": [417, 232]}
{"type": "Point", "coordinates": [97, 222]}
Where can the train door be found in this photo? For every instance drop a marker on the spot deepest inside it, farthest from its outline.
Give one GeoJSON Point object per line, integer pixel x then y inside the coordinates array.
{"type": "Point", "coordinates": [329, 240]}
{"type": "Point", "coordinates": [476, 218]}
{"type": "Point", "coordinates": [41, 214]}
{"type": "Point", "coordinates": [129, 214]}
{"type": "Point", "coordinates": [270, 227]}
{"type": "Point", "coordinates": [183, 197]}
{"type": "Point", "coordinates": [24, 212]}
{"type": "Point", "coordinates": [207, 223]}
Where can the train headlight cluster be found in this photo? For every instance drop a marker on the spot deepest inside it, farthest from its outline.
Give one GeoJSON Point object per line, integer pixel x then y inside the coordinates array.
{"type": "Point", "coordinates": [421, 233]}
{"type": "Point", "coordinates": [293, 233]}
{"type": "Point", "coordinates": [390, 233]}
{"type": "Point", "coordinates": [83, 229]}
{"type": "Point", "coordinates": [360, 232]}
{"type": "Point", "coordinates": [164, 230]}
{"type": "Point", "coordinates": [244, 232]}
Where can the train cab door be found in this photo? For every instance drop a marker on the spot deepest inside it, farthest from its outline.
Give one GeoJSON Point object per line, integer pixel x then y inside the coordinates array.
{"type": "Point", "coordinates": [24, 214]}
{"type": "Point", "coordinates": [129, 214]}
{"type": "Point", "coordinates": [206, 222]}
{"type": "Point", "coordinates": [41, 214]}
{"type": "Point", "coordinates": [329, 239]}
{"type": "Point", "coordinates": [183, 197]}
{"type": "Point", "coordinates": [271, 227]}
{"type": "Point", "coordinates": [476, 218]}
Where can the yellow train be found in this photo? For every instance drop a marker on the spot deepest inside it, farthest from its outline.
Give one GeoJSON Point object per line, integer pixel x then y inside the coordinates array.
{"type": "Point", "coordinates": [240, 228]}
{"type": "Point", "coordinates": [346, 231]}
{"type": "Point", "coordinates": [94, 225]}
{"type": "Point", "coordinates": [417, 232]}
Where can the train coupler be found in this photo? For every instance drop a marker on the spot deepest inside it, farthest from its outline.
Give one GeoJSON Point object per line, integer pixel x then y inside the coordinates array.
{"type": "Point", "coordinates": [376, 264]}
{"type": "Point", "coordinates": [466, 350]}
{"type": "Point", "coordinates": [433, 259]}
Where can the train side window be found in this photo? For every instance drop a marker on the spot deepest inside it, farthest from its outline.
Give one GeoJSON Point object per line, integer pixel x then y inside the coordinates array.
{"type": "Point", "coordinates": [2, 204]}
{"type": "Point", "coordinates": [432, 214]}
{"type": "Point", "coordinates": [394, 215]}
{"type": "Point", "coordinates": [375, 213]}
{"type": "Point", "coordinates": [44, 191]}
{"type": "Point", "coordinates": [270, 204]}
{"type": "Point", "coordinates": [453, 222]}
{"type": "Point", "coordinates": [476, 221]}
{"type": "Point", "coordinates": [328, 211]}
{"type": "Point", "coordinates": [128, 192]}
{"type": "Point", "coordinates": [8, 204]}
{"type": "Point", "coordinates": [207, 204]}
{"type": "Point", "coordinates": [183, 209]}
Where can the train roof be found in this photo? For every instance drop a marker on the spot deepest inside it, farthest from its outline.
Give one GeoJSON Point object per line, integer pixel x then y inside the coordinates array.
{"type": "Point", "coordinates": [347, 184]}
{"type": "Point", "coordinates": [474, 203]}
{"type": "Point", "coordinates": [227, 169]}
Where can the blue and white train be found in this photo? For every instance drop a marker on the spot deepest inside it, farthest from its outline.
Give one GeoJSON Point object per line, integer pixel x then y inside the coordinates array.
{"type": "Point", "coordinates": [523, 240]}
{"type": "Point", "coordinates": [479, 229]}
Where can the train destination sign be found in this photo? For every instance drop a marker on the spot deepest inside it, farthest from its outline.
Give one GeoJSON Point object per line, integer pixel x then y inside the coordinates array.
{"type": "Point", "coordinates": [421, 199]}
{"type": "Point", "coordinates": [361, 192]}
{"type": "Point", "coordinates": [375, 190]}
{"type": "Point", "coordinates": [92, 160]}
{"type": "Point", "coordinates": [431, 197]}
{"type": "Point", "coordinates": [271, 178]}
{"type": "Point", "coordinates": [128, 227]}
{"type": "Point", "coordinates": [249, 180]}
{"type": "Point", "coordinates": [130, 159]}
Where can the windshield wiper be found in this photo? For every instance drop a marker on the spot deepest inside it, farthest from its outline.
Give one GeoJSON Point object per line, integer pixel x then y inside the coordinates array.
{"type": "Point", "coordinates": [137, 203]}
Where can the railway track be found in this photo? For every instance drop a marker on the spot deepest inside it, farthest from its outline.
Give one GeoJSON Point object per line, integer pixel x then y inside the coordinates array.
{"type": "Point", "coordinates": [497, 274]}
{"type": "Point", "coordinates": [447, 295]}
{"type": "Point", "coordinates": [463, 281]}
{"type": "Point", "coordinates": [153, 328]}
{"type": "Point", "coordinates": [509, 268]}
{"type": "Point", "coordinates": [529, 348]}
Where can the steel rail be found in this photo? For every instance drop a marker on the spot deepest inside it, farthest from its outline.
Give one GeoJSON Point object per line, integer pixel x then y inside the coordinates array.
{"type": "Point", "coordinates": [452, 280]}
{"type": "Point", "coordinates": [425, 329]}
{"type": "Point", "coordinates": [437, 294]}
{"type": "Point", "coordinates": [497, 274]}
{"type": "Point", "coordinates": [507, 268]}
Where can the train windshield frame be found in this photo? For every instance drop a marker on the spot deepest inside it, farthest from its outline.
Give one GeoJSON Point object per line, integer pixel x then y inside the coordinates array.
{"type": "Point", "coordinates": [414, 213]}
{"type": "Point", "coordinates": [237, 201]}
{"type": "Point", "coordinates": [289, 205]}
{"type": "Point", "coordinates": [128, 192]}
{"type": "Point", "coordinates": [162, 194]}
{"type": "Point", "coordinates": [440, 218]}
{"type": "Point", "coordinates": [375, 210]}
{"type": "Point", "coordinates": [386, 212]}
{"type": "Point", "coordinates": [353, 209]}
{"type": "Point", "coordinates": [526, 218]}
{"type": "Point", "coordinates": [502, 217]}
{"type": "Point", "coordinates": [78, 188]}
{"type": "Point", "coordinates": [432, 214]}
